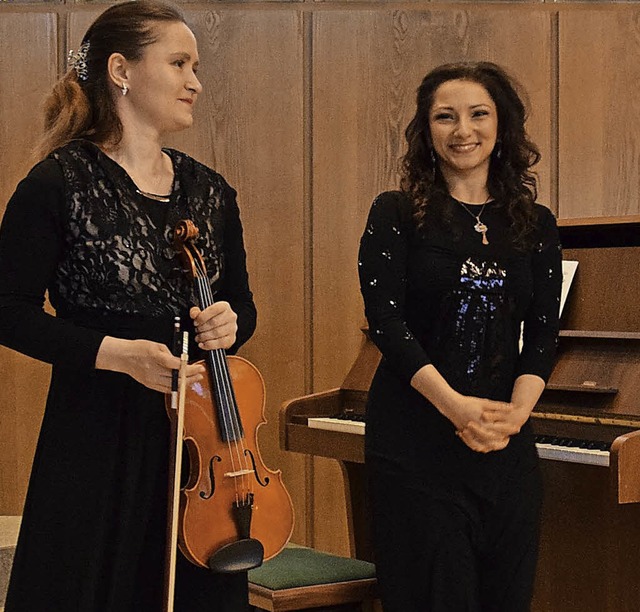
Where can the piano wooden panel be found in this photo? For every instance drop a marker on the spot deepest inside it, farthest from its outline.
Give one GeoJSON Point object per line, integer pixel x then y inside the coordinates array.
{"type": "Point", "coordinates": [589, 545]}
{"type": "Point", "coordinates": [606, 281]}
{"type": "Point", "coordinates": [590, 523]}
{"type": "Point", "coordinates": [348, 449]}
{"type": "Point", "coordinates": [625, 454]}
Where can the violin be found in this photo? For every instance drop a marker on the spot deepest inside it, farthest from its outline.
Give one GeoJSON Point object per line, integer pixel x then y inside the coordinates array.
{"type": "Point", "coordinates": [234, 512]}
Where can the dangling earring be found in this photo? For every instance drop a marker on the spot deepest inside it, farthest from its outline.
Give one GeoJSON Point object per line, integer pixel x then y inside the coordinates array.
{"type": "Point", "coordinates": [433, 164]}
{"type": "Point", "coordinates": [125, 89]}
{"type": "Point", "coordinates": [498, 149]}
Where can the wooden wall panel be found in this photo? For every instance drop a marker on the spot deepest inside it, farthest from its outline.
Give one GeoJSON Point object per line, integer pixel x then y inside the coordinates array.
{"type": "Point", "coordinates": [417, 3]}
{"type": "Point", "coordinates": [367, 66]}
{"type": "Point", "coordinates": [26, 73]}
{"type": "Point", "coordinates": [77, 24]}
{"type": "Point", "coordinates": [599, 135]}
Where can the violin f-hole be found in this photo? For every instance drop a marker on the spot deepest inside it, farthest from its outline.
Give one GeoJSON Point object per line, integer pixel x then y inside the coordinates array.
{"type": "Point", "coordinates": [212, 478]}
{"type": "Point", "coordinates": [262, 483]}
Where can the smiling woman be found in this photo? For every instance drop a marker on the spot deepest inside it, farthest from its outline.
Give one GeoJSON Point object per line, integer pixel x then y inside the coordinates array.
{"type": "Point", "coordinates": [450, 267]}
{"type": "Point", "coordinates": [464, 127]}
{"type": "Point", "coordinates": [102, 205]}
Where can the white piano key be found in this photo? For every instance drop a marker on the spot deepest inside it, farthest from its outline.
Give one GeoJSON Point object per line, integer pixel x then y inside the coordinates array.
{"type": "Point", "coordinates": [352, 427]}
{"type": "Point", "coordinates": [571, 454]}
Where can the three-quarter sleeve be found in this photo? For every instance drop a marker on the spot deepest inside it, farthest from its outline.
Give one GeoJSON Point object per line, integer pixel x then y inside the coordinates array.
{"type": "Point", "coordinates": [31, 242]}
{"type": "Point", "coordinates": [235, 289]}
{"type": "Point", "coordinates": [382, 266]}
{"type": "Point", "coordinates": [541, 322]}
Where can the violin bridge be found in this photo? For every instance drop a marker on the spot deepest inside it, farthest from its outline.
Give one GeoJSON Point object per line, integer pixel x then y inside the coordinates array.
{"type": "Point", "coordinates": [238, 473]}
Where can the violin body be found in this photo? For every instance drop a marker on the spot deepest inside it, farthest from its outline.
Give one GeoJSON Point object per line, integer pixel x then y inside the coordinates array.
{"type": "Point", "coordinates": [234, 512]}
{"type": "Point", "coordinates": [223, 475]}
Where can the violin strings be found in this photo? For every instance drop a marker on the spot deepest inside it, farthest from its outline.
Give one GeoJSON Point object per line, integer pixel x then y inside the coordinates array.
{"type": "Point", "coordinates": [229, 407]}
{"type": "Point", "coordinates": [228, 388]}
{"type": "Point", "coordinates": [222, 398]}
{"type": "Point", "coordinates": [220, 356]}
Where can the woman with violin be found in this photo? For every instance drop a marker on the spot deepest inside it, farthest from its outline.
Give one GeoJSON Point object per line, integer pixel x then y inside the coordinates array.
{"type": "Point", "coordinates": [92, 225]}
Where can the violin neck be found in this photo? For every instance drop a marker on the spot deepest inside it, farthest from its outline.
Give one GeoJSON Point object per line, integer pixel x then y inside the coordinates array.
{"type": "Point", "coordinates": [227, 411]}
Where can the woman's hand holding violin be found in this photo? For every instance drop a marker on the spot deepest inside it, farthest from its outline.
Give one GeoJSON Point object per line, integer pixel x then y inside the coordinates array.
{"type": "Point", "coordinates": [150, 363]}
{"type": "Point", "coordinates": [216, 326]}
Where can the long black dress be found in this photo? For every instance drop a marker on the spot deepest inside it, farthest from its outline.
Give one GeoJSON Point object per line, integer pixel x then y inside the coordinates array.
{"type": "Point", "coordinates": [454, 529]}
{"type": "Point", "coordinates": [93, 530]}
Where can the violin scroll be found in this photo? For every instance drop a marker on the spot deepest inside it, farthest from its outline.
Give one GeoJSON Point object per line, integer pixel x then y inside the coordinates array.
{"type": "Point", "coordinates": [185, 231]}
{"type": "Point", "coordinates": [184, 235]}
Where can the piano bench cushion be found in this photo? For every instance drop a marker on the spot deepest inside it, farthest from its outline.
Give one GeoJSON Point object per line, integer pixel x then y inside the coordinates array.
{"type": "Point", "coordinates": [298, 566]}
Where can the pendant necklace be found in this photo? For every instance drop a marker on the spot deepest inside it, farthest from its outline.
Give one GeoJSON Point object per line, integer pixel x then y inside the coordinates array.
{"type": "Point", "coordinates": [480, 227]}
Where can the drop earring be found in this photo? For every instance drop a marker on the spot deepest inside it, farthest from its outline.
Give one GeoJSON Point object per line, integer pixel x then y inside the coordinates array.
{"type": "Point", "coordinates": [433, 164]}
{"type": "Point", "coordinates": [125, 89]}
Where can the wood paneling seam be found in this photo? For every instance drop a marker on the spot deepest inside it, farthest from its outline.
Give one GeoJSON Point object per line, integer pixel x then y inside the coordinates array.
{"type": "Point", "coordinates": [307, 143]}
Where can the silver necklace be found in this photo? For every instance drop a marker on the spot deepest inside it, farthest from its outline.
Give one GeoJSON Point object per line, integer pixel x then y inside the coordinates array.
{"type": "Point", "coordinates": [480, 227]}
{"type": "Point", "coordinates": [154, 196]}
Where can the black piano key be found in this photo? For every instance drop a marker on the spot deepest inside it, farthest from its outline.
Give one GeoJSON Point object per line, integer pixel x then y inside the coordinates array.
{"type": "Point", "coordinates": [349, 414]}
{"type": "Point", "coordinates": [573, 442]}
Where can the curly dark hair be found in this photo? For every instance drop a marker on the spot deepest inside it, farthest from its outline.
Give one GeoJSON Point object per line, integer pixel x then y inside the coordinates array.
{"type": "Point", "coordinates": [511, 182]}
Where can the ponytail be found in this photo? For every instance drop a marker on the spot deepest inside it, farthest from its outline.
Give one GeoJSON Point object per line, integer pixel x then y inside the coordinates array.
{"type": "Point", "coordinates": [67, 115]}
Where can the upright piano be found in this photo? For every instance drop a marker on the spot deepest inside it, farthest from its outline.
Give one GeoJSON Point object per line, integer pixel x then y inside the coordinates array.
{"type": "Point", "coordinates": [587, 424]}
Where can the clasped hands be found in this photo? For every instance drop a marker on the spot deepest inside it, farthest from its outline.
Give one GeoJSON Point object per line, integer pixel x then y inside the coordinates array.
{"type": "Point", "coordinates": [486, 425]}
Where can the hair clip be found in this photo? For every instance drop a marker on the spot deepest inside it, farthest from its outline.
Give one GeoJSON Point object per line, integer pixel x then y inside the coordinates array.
{"type": "Point", "coordinates": [78, 61]}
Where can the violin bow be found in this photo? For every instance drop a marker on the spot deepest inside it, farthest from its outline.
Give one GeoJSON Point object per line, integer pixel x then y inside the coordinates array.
{"type": "Point", "coordinates": [177, 403]}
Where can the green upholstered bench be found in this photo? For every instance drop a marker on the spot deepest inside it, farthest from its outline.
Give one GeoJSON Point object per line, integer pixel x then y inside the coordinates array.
{"type": "Point", "coordinates": [301, 578]}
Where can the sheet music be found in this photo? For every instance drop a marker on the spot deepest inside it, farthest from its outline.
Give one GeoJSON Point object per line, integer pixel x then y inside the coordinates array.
{"type": "Point", "coordinates": [568, 272]}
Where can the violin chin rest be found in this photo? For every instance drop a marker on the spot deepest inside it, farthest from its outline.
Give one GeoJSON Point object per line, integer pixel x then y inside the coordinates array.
{"type": "Point", "coordinates": [238, 556]}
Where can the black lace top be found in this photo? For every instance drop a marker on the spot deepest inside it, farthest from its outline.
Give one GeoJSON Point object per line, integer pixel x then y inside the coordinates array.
{"type": "Point", "coordinates": [78, 227]}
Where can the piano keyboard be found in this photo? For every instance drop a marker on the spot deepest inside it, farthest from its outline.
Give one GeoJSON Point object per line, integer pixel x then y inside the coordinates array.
{"type": "Point", "coordinates": [588, 452]}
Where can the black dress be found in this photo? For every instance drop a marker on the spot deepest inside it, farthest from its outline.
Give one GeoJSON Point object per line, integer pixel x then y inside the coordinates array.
{"type": "Point", "coordinates": [93, 530]}
{"type": "Point", "coordinates": [454, 529]}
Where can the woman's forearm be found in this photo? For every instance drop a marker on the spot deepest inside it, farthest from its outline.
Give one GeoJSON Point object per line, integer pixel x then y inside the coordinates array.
{"type": "Point", "coordinates": [527, 390]}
